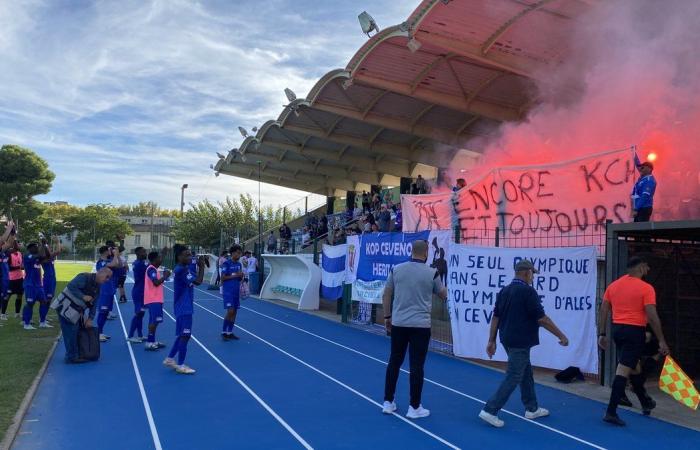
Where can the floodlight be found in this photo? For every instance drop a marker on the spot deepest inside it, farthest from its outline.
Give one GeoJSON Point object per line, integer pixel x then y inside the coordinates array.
{"type": "Point", "coordinates": [255, 129]}
{"type": "Point", "coordinates": [413, 45]}
{"type": "Point", "coordinates": [243, 132]}
{"type": "Point", "coordinates": [347, 83]}
{"type": "Point", "coordinates": [216, 174]}
{"type": "Point", "coordinates": [211, 166]}
{"type": "Point", "coordinates": [220, 155]}
{"type": "Point", "coordinates": [291, 96]}
{"type": "Point", "coordinates": [367, 23]}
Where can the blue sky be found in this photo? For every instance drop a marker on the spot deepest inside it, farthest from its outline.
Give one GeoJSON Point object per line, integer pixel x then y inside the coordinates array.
{"type": "Point", "coordinates": [127, 100]}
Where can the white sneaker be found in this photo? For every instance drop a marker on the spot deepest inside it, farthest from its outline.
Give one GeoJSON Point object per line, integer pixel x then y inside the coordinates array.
{"type": "Point", "coordinates": [29, 327]}
{"type": "Point", "coordinates": [389, 407]}
{"type": "Point", "coordinates": [417, 413]}
{"type": "Point", "coordinates": [152, 346]}
{"type": "Point", "coordinates": [185, 370]}
{"type": "Point", "coordinates": [45, 325]}
{"type": "Point", "coordinates": [170, 362]}
{"type": "Point", "coordinates": [104, 338]}
{"type": "Point", "coordinates": [3, 316]}
{"type": "Point", "coordinates": [491, 419]}
{"type": "Point", "coordinates": [540, 412]}
{"type": "Point", "coordinates": [135, 340]}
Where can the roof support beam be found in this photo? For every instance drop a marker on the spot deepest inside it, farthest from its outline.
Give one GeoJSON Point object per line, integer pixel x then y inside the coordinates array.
{"type": "Point", "coordinates": [429, 68]}
{"type": "Point", "coordinates": [330, 130]}
{"type": "Point", "coordinates": [234, 171]}
{"type": "Point", "coordinates": [376, 135]}
{"type": "Point", "coordinates": [503, 28]}
{"type": "Point", "coordinates": [420, 115]}
{"type": "Point", "coordinates": [478, 107]}
{"type": "Point", "coordinates": [373, 102]}
{"type": "Point", "coordinates": [322, 180]}
{"type": "Point", "coordinates": [467, 124]}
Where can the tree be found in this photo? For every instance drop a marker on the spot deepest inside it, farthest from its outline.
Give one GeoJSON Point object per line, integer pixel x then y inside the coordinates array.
{"type": "Point", "coordinates": [96, 224]}
{"type": "Point", "coordinates": [146, 209]}
{"type": "Point", "coordinates": [23, 175]}
{"type": "Point", "coordinates": [51, 220]}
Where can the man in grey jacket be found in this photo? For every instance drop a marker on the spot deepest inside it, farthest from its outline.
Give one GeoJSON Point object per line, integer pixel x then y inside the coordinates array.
{"type": "Point", "coordinates": [407, 300]}
{"type": "Point", "coordinates": [76, 304]}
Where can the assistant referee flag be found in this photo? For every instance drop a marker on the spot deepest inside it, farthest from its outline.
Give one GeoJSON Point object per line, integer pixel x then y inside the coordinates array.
{"type": "Point", "coordinates": [676, 383]}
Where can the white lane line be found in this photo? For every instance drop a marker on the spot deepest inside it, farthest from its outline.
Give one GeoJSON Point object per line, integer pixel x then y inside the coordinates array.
{"type": "Point", "coordinates": [455, 391]}
{"type": "Point", "coordinates": [250, 391]}
{"type": "Point", "coordinates": [335, 380]}
{"type": "Point", "coordinates": [144, 398]}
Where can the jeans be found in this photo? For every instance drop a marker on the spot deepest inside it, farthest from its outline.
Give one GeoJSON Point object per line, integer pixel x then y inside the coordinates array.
{"type": "Point", "coordinates": [519, 372]}
{"type": "Point", "coordinates": [70, 338]}
{"type": "Point", "coordinates": [416, 341]}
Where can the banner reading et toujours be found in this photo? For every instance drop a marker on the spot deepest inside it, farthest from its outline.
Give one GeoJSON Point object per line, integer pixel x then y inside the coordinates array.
{"type": "Point", "coordinates": [566, 285]}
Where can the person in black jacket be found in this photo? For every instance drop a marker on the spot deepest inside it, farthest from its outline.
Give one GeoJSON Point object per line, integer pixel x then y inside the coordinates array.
{"type": "Point", "coordinates": [73, 304]}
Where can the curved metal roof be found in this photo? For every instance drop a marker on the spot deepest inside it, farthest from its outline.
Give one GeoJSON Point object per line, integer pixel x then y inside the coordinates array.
{"type": "Point", "coordinates": [398, 110]}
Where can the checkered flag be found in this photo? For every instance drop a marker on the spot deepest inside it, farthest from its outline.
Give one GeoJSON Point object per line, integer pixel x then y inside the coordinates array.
{"type": "Point", "coordinates": [676, 383]}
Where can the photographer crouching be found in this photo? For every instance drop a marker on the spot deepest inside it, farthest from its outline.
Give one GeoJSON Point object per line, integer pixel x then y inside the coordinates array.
{"type": "Point", "coordinates": [76, 307]}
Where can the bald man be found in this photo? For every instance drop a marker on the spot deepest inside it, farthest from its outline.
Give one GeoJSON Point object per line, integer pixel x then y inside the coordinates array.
{"type": "Point", "coordinates": [407, 300]}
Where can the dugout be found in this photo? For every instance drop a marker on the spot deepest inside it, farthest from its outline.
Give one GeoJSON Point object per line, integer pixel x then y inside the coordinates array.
{"type": "Point", "coordinates": [673, 252]}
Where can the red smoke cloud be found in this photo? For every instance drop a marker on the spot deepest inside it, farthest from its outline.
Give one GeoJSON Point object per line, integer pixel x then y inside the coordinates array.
{"type": "Point", "coordinates": [632, 77]}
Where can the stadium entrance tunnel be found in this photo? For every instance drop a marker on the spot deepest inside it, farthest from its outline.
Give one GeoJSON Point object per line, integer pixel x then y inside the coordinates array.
{"type": "Point", "coordinates": [672, 250]}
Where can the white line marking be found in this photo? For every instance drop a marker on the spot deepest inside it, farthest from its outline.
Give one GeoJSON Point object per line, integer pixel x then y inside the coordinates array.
{"type": "Point", "coordinates": [455, 391]}
{"type": "Point", "coordinates": [146, 405]}
{"type": "Point", "coordinates": [250, 391]}
{"type": "Point", "coordinates": [335, 380]}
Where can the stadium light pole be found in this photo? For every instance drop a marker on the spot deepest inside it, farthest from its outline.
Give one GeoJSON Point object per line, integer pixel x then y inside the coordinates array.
{"type": "Point", "coordinates": [259, 213]}
{"type": "Point", "coordinates": [182, 198]}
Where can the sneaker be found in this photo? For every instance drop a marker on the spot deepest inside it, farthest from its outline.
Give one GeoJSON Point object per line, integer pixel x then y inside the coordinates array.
{"type": "Point", "coordinates": [185, 370]}
{"type": "Point", "coordinates": [417, 413]}
{"type": "Point", "coordinates": [225, 336]}
{"type": "Point", "coordinates": [539, 412]}
{"type": "Point", "coordinates": [388, 407]}
{"type": "Point", "coordinates": [491, 419]}
{"type": "Point", "coordinates": [160, 345]}
{"type": "Point", "coordinates": [614, 419]}
{"type": "Point", "coordinates": [135, 340]}
{"type": "Point", "coordinates": [122, 300]}
{"type": "Point", "coordinates": [648, 404]}
{"type": "Point", "coordinates": [170, 362]}
{"type": "Point", "coordinates": [45, 325]}
{"type": "Point", "coordinates": [3, 316]}
{"type": "Point", "coordinates": [29, 327]}
{"type": "Point", "coordinates": [625, 401]}
{"type": "Point", "coordinates": [234, 337]}
{"type": "Point", "coordinates": [104, 338]}
{"type": "Point", "coordinates": [151, 346]}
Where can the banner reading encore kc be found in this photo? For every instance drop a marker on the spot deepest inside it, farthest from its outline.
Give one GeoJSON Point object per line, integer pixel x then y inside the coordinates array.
{"type": "Point", "coordinates": [576, 196]}
{"type": "Point", "coordinates": [566, 285]}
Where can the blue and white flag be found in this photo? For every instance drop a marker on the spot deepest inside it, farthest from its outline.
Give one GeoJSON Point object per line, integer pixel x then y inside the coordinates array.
{"type": "Point", "coordinates": [333, 271]}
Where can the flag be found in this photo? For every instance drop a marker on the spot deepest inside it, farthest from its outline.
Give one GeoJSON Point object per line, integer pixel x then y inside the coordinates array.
{"type": "Point", "coordinates": [676, 383]}
{"type": "Point", "coordinates": [333, 271]}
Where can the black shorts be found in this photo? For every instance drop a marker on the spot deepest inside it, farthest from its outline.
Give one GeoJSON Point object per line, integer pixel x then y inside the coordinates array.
{"type": "Point", "coordinates": [629, 341]}
{"type": "Point", "coordinates": [121, 280]}
{"type": "Point", "coordinates": [16, 287]}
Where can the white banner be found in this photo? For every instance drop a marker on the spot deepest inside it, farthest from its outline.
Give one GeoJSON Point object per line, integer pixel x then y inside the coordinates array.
{"type": "Point", "coordinates": [566, 284]}
{"type": "Point", "coordinates": [353, 258]}
{"type": "Point", "coordinates": [368, 291]}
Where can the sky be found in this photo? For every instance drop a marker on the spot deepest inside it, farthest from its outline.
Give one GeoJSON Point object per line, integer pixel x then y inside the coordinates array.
{"type": "Point", "coordinates": [127, 100]}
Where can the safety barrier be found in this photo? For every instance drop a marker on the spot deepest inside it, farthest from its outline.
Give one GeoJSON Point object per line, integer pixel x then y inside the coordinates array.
{"type": "Point", "coordinates": [293, 278]}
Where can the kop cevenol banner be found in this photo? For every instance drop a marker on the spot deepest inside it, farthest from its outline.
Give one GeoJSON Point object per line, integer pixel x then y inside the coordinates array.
{"type": "Point", "coordinates": [531, 203]}
{"type": "Point", "coordinates": [371, 256]}
{"type": "Point", "coordinates": [566, 284]}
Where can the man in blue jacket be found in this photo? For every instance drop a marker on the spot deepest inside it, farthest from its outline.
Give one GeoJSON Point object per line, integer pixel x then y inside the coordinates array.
{"type": "Point", "coordinates": [643, 191]}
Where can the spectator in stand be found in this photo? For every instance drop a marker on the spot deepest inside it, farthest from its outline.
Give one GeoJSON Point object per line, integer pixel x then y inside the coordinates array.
{"type": "Point", "coordinates": [348, 214]}
{"type": "Point", "coordinates": [399, 218]}
{"type": "Point", "coordinates": [375, 228]}
{"type": "Point", "coordinates": [376, 203]}
{"type": "Point", "coordinates": [285, 236]}
{"type": "Point", "coordinates": [414, 189]}
{"type": "Point", "coordinates": [461, 182]}
{"type": "Point", "coordinates": [357, 213]}
{"type": "Point", "coordinates": [384, 219]}
{"type": "Point", "coordinates": [272, 243]}
{"type": "Point", "coordinates": [306, 236]}
{"type": "Point", "coordinates": [365, 201]}
{"type": "Point", "coordinates": [643, 191]}
{"type": "Point", "coordinates": [323, 226]}
{"type": "Point", "coordinates": [421, 185]}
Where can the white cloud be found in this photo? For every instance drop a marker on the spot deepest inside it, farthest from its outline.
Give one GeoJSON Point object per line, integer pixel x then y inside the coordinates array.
{"type": "Point", "coordinates": [128, 100]}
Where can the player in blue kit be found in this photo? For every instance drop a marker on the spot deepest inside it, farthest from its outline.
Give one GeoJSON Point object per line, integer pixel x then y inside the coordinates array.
{"type": "Point", "coordinates": [231, 276]}
{"type": "Point", "coordinates": [138, 267]}
{"type": "Point", "coordinates": [183, 306]}
{"type": "Point", "coordinates": [33, 289]}
{"type": "Point", "coordinates": [49, 280]}
{"type": "Point", "coordinates": [109, 257]}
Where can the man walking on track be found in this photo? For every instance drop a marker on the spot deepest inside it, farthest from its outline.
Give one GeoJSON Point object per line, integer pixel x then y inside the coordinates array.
{"type": "Point", "coordinates": [517, 317]}
{"type": "Point", "coordinates": [407, 300]}
{"type": "Point", "coordinates": [633, 303]}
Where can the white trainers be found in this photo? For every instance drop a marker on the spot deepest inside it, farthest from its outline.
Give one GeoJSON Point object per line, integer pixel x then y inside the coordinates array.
{"type": "Point", "coordinates": [491, 419]}
{"type": "Point", "coordinates": [29, 327]}
{"type": "Point", "coordinates": [388, 407]}
{"type": "Point", "coordinates": [417, 413]}
{"type": "Point", "coordinates": [104, 338]}
{"type": "Point", "coordinates": [185, 370]}
{"type": "Point", "coordinates": [152, 346]}
{"type": "Point", "coordinates": [3, 316]}
{"type": "Point", "coordinates": [135, 340]}
{"type": "Point", "coordinates": [45, 325]}
{"type": "Point", "coordinates": [540, 412]}
{"type": "Point", "coordinates": [170, 362]}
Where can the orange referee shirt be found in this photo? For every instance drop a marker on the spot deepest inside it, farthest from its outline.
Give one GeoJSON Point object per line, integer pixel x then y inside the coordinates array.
{"type": "Point", "coordinates": [628, 296]}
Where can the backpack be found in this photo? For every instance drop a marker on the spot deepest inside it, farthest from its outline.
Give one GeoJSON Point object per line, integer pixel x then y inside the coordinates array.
{"type": "Point", "coordinates": [88, 343]}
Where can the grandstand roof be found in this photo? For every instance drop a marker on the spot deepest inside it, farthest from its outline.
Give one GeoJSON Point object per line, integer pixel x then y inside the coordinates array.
{"type": "Point", "coordinates": [413, 97]}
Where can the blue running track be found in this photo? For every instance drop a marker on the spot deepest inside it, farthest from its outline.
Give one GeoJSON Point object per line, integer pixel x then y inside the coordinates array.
{"type": "Point", "coordinates": [296, 381]}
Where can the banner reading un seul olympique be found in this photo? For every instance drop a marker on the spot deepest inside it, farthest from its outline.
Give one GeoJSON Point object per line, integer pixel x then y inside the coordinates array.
{"type": "Point", "coordinates": [566, 285]}
{"type": "Point", "coordinates": [528, 204]}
